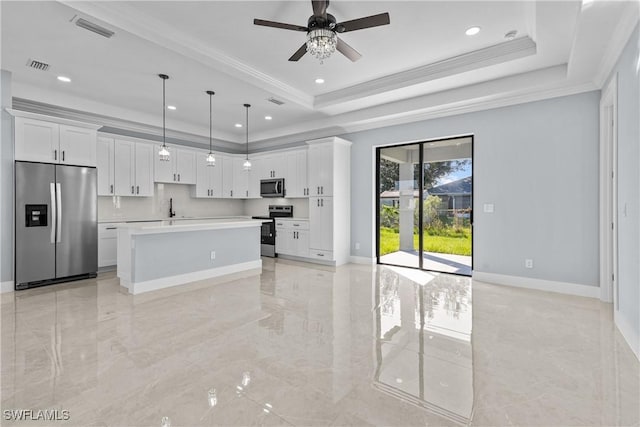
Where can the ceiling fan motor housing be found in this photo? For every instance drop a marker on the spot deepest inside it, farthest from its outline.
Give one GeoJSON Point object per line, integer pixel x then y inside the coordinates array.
{"type": "Point", "coordinates": [320, 22]}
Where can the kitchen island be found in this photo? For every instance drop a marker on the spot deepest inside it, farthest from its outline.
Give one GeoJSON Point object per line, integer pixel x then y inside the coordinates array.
{"type": "Point", "coordinates": [156, 255]}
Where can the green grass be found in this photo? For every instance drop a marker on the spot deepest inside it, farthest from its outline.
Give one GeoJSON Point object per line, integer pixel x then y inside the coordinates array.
{"type": "Point", "coordinates": [447, 241]}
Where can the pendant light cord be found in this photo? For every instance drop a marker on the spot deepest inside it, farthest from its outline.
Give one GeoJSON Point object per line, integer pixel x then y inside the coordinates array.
{"type": "Point", "coordinates": [247, 130]}
{"type": "Point", "coordinates": [164, 126]}
{"type": "Point", "coordinates": [210, 124]}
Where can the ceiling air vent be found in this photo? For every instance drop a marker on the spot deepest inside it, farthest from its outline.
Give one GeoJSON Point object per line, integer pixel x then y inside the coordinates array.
{"type": "Point", "coordinates": [275, 101]}
{"type": "Point", "coordinates": [83, 23]}
{"type": "Point", "coordinates": [38, 65]}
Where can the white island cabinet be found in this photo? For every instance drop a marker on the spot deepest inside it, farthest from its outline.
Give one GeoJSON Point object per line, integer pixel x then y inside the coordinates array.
{"type": "Point", "coordinates": [172, 253]}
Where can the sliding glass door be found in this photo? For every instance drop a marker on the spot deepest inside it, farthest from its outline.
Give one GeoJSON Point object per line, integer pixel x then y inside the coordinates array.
{"type": "Point", "coordinates": [425, 202]}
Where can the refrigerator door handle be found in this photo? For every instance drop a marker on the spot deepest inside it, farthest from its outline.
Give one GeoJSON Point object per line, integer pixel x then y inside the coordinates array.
{"type": "Point", "coordinates": [52, 189]}
{"type": "Point", "coordinates": [59, 213]}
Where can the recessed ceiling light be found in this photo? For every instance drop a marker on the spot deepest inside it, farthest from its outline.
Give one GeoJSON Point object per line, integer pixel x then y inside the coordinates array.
{"type": "Point", "coordinates": [171, 107]}
{"type": "Point", "coordinates": [472, 31]}
{"type": "Point", "coordinates": [238, 125]}
{"type": "Point", "coordinates": [268, 117]}
{"type": "Point", "coordinates": [319, 81]}
{"type": "Point", "coordinates": [511, 35]}
{"type": "Point", "coordinates": [64, 79]}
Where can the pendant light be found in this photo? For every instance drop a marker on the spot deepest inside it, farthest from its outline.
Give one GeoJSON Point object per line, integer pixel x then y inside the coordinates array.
{"type": "Point", "coordinates": [247, 164]}
{"type": "Point", "coordinates": [211, 159]}
{"type": "Point", "coordinates": [164, 150]}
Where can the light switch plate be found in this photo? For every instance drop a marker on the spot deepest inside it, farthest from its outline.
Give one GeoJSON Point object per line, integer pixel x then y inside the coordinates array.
{"type": "Point", "coordinates": [488, 207]}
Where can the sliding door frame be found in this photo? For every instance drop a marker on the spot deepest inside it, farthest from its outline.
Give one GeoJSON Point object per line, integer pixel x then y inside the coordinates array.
{"type": "Point", "coordinates": [420, 145]}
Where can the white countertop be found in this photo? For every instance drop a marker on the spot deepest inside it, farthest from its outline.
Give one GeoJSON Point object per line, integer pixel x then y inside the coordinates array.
{"type": "Point", "coordinates": [292, 219]}
{"type": "Point", "coordinates": [172, 226]}
{"type": "Point", "coordinates": [152, 219]}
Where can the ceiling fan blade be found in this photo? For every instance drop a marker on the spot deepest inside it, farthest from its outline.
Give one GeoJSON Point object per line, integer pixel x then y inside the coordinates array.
{"type": "Point", "coordinates": [299, 53]}
{"type": "Point", "coordinates": [279, 25]}
{"type": "Point", "coordinates": [320, 7]}
{"type": "Point", "coordinates": [362, 23]}
{"type": "Point", "coordinates": [348, 51]}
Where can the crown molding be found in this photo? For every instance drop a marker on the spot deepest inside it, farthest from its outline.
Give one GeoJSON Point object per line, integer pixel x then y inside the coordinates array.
{"type": "Point", "coordinates": [629, 21]}
{"type": "Point", "coordinates": [480, 58]}
{"type": "Point", "coordinates": [120, 15]}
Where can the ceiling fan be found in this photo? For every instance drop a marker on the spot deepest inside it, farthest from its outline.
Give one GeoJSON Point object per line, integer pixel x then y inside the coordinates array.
{"type": "Point", "coordinates": [322, 32]}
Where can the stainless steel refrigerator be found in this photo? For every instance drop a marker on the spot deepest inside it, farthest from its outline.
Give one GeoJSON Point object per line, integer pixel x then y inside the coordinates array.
{"type": "Point", "coordinates": [56, 223]}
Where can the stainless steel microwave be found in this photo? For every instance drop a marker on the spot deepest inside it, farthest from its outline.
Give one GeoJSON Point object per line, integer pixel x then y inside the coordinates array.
{"type": "Point", "coordinates": [272, 187]}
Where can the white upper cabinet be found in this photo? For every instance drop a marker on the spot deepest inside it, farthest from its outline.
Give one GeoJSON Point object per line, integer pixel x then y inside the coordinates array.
{"type": "Point", "coordinates": [105, 165]}
{"type": "Point", "coordinates": [179, 169]}
{"type": "Point", "coordinates": [208, 178]}
{"type": "Point", "coordinates": [144, 169]}
{"type": "Point", "coordinates": [50, 142]}
{"type": "Point", "coordinates": [253, 177]}
{"type": "Point", "coordinates": [227, 176]}
{"type": "Point", "coordinates": [296, 177]}
{"type": "Point", "coordinates": [273, 166]}
{"type": "Point", "coordinates": [240, 179]}
{"type": "Point", "coordinates": [77, 145]}
{"type": "Point", "coordinates": [320, 167]}
{"type": "Point", "coordinates": [125, 168]}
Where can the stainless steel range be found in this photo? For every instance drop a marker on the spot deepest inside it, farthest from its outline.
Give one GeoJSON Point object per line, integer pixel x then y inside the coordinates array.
{"type": "Point", "coordinates": [268, 231]}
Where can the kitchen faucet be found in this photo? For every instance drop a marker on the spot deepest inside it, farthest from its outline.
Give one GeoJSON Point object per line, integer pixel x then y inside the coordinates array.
{"type": "Point", "coordinates": [172, 213]}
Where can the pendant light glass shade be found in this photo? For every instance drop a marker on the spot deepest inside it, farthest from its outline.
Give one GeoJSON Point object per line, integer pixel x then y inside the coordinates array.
{"type": "Point", "coordinates": [247, 164]}
{"type": "Point", "coordinates": [164, 150]}
{"type": "Point", "coordinates": [211, 159]}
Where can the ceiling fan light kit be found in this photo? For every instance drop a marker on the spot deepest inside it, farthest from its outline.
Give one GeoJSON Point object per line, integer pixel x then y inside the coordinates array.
{"type": "Point", "coordinates": [321, 43]}
{"type": "Point", "coordinates": [322, 32]}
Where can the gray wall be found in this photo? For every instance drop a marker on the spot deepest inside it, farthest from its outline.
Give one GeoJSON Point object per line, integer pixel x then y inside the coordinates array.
{"type": "Point", "coordinates": [629, 183]}
{"type": "Point", "coordinates": [536, 162]}
{"type": "Point", "coordinates": [6, 180]}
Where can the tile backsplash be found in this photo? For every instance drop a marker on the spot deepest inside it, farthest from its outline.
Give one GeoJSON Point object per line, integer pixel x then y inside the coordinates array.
{"type": "Point", "coordinates": [158, 206]}
{"type": "Point", "coordinates": [130, 208]}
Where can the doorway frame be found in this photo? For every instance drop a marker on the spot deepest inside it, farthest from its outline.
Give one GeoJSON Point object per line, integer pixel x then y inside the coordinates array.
{"type": "Point", "coordinates": [609, 193]}
{"type": "Point", "coordinates": [376, 193]}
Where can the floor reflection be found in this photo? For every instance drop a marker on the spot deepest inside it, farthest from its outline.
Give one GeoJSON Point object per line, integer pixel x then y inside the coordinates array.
{"type": "Point", "coordinates": [423, 348]}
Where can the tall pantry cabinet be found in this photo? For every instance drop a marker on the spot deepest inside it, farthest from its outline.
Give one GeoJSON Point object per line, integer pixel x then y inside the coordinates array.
{"type": "Point", "coordinates": [329, 200]}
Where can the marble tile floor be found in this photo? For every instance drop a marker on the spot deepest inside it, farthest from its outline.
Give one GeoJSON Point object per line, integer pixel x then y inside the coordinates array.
{"type": "Point", "coordinates": [303, 345]}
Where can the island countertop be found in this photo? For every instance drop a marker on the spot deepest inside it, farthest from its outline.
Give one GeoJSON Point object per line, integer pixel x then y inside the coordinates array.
{"type": "Point", "coordinates": [181, 225]}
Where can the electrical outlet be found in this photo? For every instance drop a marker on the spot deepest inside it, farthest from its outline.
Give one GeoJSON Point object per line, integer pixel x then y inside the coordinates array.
{"type": "Point", "coordinates": [213, 255]}
{"type": "Point", "coordinates": [357, 245]}
{"type": "Point", "coordinates": [528, 263]}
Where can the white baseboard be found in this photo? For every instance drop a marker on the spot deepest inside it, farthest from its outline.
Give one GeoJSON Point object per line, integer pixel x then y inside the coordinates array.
{"type": "Point", "coordinates": [628, 333]}
{"type": "Point", "coordinates": [361, 260]}
{"type": "Point", "coordinates": [538, 284]}
{"type": "Point", "coordinates": [6, 286]}
{"type": "Point", "coordinates": [181, 279]}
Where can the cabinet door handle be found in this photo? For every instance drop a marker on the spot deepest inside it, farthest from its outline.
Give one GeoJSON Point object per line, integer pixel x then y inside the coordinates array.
{"type": "Point", "coordinates": [320, 254]}
{"type": "Point", "coordinates": [137, 189]}
{"type": "Point", "coordinates": [55, 154]}
{"type": "Point", "coordinates": [111, 228]}
{"type": "Point", "coordinates": [247, 193]}
{"type": "Point", "coordinates": [208, 192]}
{"type": "Point", "coordinates": [111, 188]}
{"type": "Point", "coordinates": [178, 177]}
{"type": "Point", "coordinates": [322, 202]}
{"type": "Point", "coordinates": [132, 189]}
{"type": "Point", "coordinates": [318, 192]}
{"type": "Point", "coordinates": [174, 176]}
{"type": "Point", "coordinates": [318, 202]}
{"type": "Point", "coordinates": [231, 193]}
{"type": "Point", "coordinates": [296, 225]}
{"type": "Point", "coordinates": [63, 155]}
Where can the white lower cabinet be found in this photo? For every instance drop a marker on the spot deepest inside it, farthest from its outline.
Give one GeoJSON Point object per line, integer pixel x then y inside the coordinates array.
{"type": "Point", "coordinates": [292, 237]}
{"type": "Point", "coordinates": [321, 237]}
{"type": "Point", "coordinates": [107, 244]}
